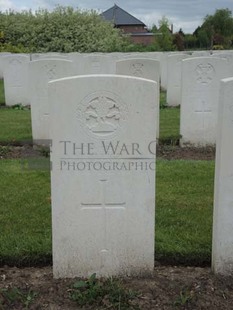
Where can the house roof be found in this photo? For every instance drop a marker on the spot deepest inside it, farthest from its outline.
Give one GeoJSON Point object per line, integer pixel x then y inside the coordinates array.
{"type": "Point", "coordinates": [120, 17]}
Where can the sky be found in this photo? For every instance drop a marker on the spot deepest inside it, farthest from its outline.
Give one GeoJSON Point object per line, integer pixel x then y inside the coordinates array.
{"type": "Point", "coordinates": [185, 14]}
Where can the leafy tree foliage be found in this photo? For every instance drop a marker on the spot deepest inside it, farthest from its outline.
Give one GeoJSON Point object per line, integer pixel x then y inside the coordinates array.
{"type": "Point", "coordinates": [190, 41]}
{"type": "Point", "coordinates": [178, 41]}
{"type": "Point", "coordinates": [216, 29]}
{"type": "Point", "coordinates": [165, 39]}
{"type": "Point", "coordinates": [62, 30]}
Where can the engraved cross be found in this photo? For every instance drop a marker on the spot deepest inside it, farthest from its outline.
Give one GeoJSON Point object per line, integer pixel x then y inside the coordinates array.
{"type": "Point", "coordinates": [203, 110]}
{"type": "Point", "coordinates": [103, 205]}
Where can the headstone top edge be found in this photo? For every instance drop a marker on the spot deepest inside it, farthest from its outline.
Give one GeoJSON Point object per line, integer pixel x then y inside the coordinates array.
{"type": "Point", "coordinates": [93, 76]}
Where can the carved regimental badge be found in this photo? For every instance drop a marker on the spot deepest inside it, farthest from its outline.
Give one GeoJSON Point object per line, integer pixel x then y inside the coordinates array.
{"type": "Point", "coordinates": [102, 113]}
{"type": "Point", "coordinates": [205, 73]}
{"type": "Point", "coordinates": [50, 72]}
{"type": "Point", "coordinates": [137, 69]}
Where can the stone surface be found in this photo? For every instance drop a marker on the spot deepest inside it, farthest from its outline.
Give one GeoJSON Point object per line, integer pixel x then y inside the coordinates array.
{"type": "Point", "coordinates": [229, 57]}
{"type": "Point", "coordinates": [97, 64]}
{"type": "Point", "coordinates": [199, 101]}
{"type": "Point", "coordinates": [40, 73]}
{"type": "Point", "coordinates": [15, 72]}
{"type": "Point", "coordinates": [145, 68]}
{"type": "Point", "coordinates": [38, 56]}
{"type": "Point", "coordinates": [2, 63]}
{"type": "Point", "coordinates": [222, 253]}
{"type": "Point", "coordinates": [103, 178]}
{"type": "Point", "coordinates": [174, 79]}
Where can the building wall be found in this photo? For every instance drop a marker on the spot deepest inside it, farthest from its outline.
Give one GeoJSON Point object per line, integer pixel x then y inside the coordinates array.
{"type": "Point", "coordinates": [145, 40]}
{"type": "Point", "coordinates": [132, 29]}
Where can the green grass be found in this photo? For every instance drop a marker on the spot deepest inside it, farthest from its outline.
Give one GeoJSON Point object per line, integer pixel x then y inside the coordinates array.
{"type": "Point", "coordinates": [163, 99]}
{"type": "Point", "coordinates": [183, 213]}
{"type": "Point", "coordinates": [2, 94]}
{"type": "Point", "coordinates": [169, 125]}
{"type": "Point", "coordinates": [25, 215]}
{"type": "Point", "coordinates": [15, 125]}
{"type": "Point", "coordinates": [184, 194]}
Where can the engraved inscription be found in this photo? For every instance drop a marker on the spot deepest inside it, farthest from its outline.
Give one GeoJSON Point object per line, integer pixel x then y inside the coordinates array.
{"type": "Point", "coordinates": [102, 113]}
{"type": "Point", "coordinates": [104, 206]}
{"type": "Point", "coordinates": [137, 69]}
{"type": "Point", "coordinates": [205, 73]}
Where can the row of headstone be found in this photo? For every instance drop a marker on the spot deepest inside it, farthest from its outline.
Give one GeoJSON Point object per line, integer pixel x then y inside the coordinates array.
{"type": "Point", "coordinates": [103, 176]}
{"type": "Point", "coordinates": [193, 83]}
{"type": "Point", "coordinates": [42, 71]}
{"type": "Point", "coordinates": [89, 64]}
{"type": "Point", "coordinates": [103, 179]}
{"type": "Point", "coordinates": [27, 81]}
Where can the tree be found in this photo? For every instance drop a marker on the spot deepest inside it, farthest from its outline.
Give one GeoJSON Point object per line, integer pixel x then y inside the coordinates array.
{"type": "Point", "coordinates": [218, 27]}
{"type": "Point", "coordinates": [62, 30]}
{"type": "Point", "coordinates": [190, 41]}
{"type": "Point", "coordinates": [154, 28]}
{"type": "Point", "coordinates": [178, 41]}
{"type": "Point", "coordinates": [165, 40]}
{"type": "Point", "coordinates": [204, 39]}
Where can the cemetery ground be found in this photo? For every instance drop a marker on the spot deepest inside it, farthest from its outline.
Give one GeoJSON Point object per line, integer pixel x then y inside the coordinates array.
{"type": "Point", "coordinates": [184, 199]}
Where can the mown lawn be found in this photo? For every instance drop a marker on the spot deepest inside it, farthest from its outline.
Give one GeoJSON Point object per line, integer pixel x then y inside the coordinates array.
{"type": "Point", "coordinates": [15, 125]}
{"type": "Point", "coordinates": [184, 200]}
{"type": "Point", "coordinates": [25, 214]}
{"type": "Point", "coordinates": [169, 125]}
{"type": "Point", "coordinates": [2, 94]}
{"type": "Point", "coordinates": [184, 194]}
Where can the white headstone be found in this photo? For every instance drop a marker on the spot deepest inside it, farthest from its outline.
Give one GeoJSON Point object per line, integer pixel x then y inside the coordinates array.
{"type": "Point", "coordinates": [97, 64]}
{"type": "Point", "coordinates": [40, 73]}
{"type": "Point", "coordinates": [2, 63]}
{"type": "Point", "coordinates": [174, 79]}
{"type": "Point", "coordinates": [103, 199]}
{"type": "Point", "coordinates": [39, 56]}
{"type": "Point", "coordinates": [229, 57]}
{"type": "Point", "coordinates": [201, 54]}
{"type": "Point", "coordinates": [15, 72]}
{"type": "Point", "coordinates": [144, 68]}
{"type": "Point", "coordinates": [222, 252]}
{"type": "Point", "coordinates": [199, 102]}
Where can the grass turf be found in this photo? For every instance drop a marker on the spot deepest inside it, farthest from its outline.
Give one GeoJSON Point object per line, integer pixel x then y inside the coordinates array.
{"type": "Point", "coordinates": [15, 125]}
{"type": "Point", "coordinates": [183, 213]}
{"type": "Point", "coordinates": [25, 215]}
{"type": "Point", "coordinates": [2, 93]}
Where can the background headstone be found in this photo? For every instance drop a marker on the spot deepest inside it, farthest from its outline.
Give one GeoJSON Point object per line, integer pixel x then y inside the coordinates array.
{"type": "Point", "coordinates": [15, 73]}
{"type": "Point", "coordinates": [199, 101]}
{"type": "Point", "coordinates": [145, 68]}
{"type": "Point", "coordinates": [174, 79]}
{"type": "Point", "coordinates": [40, 73]}
{"type": "Point", "coordinates": [97, 64]}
